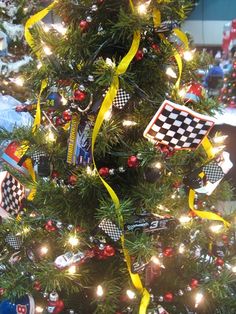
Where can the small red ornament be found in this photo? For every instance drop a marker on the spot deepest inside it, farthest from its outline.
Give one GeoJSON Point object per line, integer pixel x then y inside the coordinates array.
{"type": "Point", "coordinates": [37, 285]}
{"type": "Point", "coordinates": [66, 115]}
{"type": "Point", "coordinates": [133, 162]}
{"type": "Point", "coordinates": [139, 55]}
{"type": "Point", "coordinates": [232, 103]}
{"type": "Point", "coordinates": [109, 251]}
{"type": "Point", "coordinates": [155, 47]}
{"type": "Point", "coordinates": [234, 74]}
{"type": "Point", "coordinates": [194, 92]}
{"type": "Point", "coordinates": [168, 252]}
{"type": "Point", "coordinates": [49, 226]}
{"type": "Point", "coordinates": [58, 121]}
{"type": "Point", "coordinates": [84, 25]}
{"type": "Point", "coordinates": [194, 283]}
{"type": "Point", "coordinates": [79, 95]}
{"type": "Point", "coordinates": [72, 179]}
{"type": "Point", "coordinates": [104, 172]}
{"type": "Point", "coordinates": [55, 305]}
{"type": "Point", "coordinates": [55, 174]}
{"type": "Point", "coordinates": [219, 261]}
{"type": "Point", "coordinates": [225, 238]}
{"type": "Point", "coordinates": [168, 297]}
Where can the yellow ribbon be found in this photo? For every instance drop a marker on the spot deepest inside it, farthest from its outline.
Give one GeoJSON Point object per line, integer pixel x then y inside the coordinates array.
{"type": "Point", "coordinates": [37, 119]}
{"type": "Point", "coordinates": [205, 214]}
{"type": "Point", "coordinates": [107, 102]}
{"type": "Point", "coordinates": [156, 17]}
{"type": "Point", "coordinates": [182, 36]}
{"type": "Point", "coordinates": [33, 20]}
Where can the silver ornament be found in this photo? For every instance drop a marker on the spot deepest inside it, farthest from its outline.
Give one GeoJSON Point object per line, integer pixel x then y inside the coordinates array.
{"type": "Point", "coordinates": [71, 312]}
{"type": "Point", "coordinates": [111, 172]}
{"type": "Point", "coordinates": [94, 8]}
{"type": "Point", "coordinates": [160, 298]}
{"type": "Point", "coordinates": [70, 227]}
{"type": "Point", "coordinates": [81, 87]}
{"type": "Point", "coordinates": [59, 224]}
{"type": "Point", "coordinates": [89, 19]}
{"type": "Point", "coordinates": [32, 277]}
{"type": "Point", "coordinates": [121, 169]}
{"type": "Point", "coordinates": [180, 292]}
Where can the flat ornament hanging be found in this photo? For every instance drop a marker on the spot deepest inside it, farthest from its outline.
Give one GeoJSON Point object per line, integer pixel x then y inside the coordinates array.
{"type": "Point", "coordinates": [12, 193]}
{"type": "Point", "coordinates": [121, 99]}
{"type": "Point", "coordinates": [107, 226]}
{"type": "Point", "coordinates": [14, 241]}
{"type": "Point", "coordinates": [178, 127]}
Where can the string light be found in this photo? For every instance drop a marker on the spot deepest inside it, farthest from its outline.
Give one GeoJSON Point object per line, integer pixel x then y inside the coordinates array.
{"type": "Point", "coordinates": [19, 81]}
{"type": "Point", "coordinates": [170, 72]}
{"type": "Point", "coordinates": [181, 248]}
{"type": "Point", "coordinates": [182, 92]}
{"type": "Point", "coordinates": [44, 250]}
{"type": "Point", "coordinates": [63, 100]}
{"type": "Point", "coordinates": [107, 115]}
{"type": "Point", "coordinates": [90, 171]}
{"type": "Point", "coordinates": [184, 219]}
{"type": "Point", "coordinates": [131, 295]}
{"type": "Point", "coordinates": [72, 269]}
{"type": "Point", "coordinates": [60, 28]}
{"type": "Point", "coordinates": [50, 136]}
{"type": "Point", "coordinates": [73, 241]}
{"type": "Point", "coordinates": [233, 269]}
{"type": "Point", "coordinates": [39, 309]}
{"type": "Point", "coordinates": [47, 50]}
{"type": "Point", "coordinates": [158, 165]}
{"type": "Point", "coordinates": [142, 8]}
{"type": "Point", "coordinates": [188, 55]}
{"type": "Point", "coordinates": [39, 65]}
{"type": "Point", "coordinates": [219, 139]}
{"type": "Point", "coordinates": [198, 298]}
{"type": "Point", "coordinates": [99, 291]}
{"type": "Point", "coordinates": [155, 260]}
{"type": "Point", "coordinates": [129, 123]}
{"type": "Point", "coordinates": [218, 149]}
{"type": "Point", "coordinates": [46, 28]}
{"type": "Point", "coordinates": [216, 228]}
{"type": "Point", "coordinates": [26, 230]}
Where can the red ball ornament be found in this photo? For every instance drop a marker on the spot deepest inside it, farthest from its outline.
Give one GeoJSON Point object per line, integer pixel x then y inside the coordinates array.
{"type": "Point", "coordinates": [49, 226]}
{"type": "Point", "coordinates": [168, 252]}
{"type": "Point", "coordinates": [168, 297]}
{"type": "Point", "coordinates": [84, 25]}
{"type": "Point", "coordinates": [37, 285]}
{"type": "Point", "coordinates": [55, 174]}
{"type": "Point", "coordinates": [133, 162]}
{"type": "Point", "coordinates": [109, 251]}
{"type": "Point", "coordinates": [194, 283]}
{"type": "Point", "coordinates": [139, 55]}
{"type": "Point", "coordinates": [155, 47]}
{"type": "Point", "coordinates": [72, 179]}
{"type": "Point", "coordinates": [66, 115]}
{"type": "Point", "coordinates": [79, 95]}
{"type": "Point", "coordinates": [194, 92]}
{"type": "Point", "coordinates": [219, 261]}
{"type": "Point", "coordinates": [104, 172]}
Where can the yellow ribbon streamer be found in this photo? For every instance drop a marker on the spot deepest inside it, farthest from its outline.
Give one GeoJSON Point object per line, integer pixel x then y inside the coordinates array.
{"type": "Point", "coordinates": [205, 214]}
{"type": "Point", "coordinates": [156, 17]}
{"type": "Point", "coordinates": [33, 20]}
{"type": "Point", "coordinates": [107, 102]}
{"type": "Point", "coordinates": [37, 119]}
{"type": "Point", "coordinates": [182, 36]}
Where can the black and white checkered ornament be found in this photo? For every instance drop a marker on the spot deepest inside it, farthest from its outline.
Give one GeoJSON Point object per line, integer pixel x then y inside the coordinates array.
{"type": "Point", "coordinates": [12, 193]}
{"type": "Point", "coordinates": [178, 127]}
{"type": "Point", "coordinates": [121, 99]}
{"type": "Point", "coordinates": [110, 229]}
{"type": "Point", "coordinates": [14, 241]}
{"type": "Point", "coordinates": [36, 157]}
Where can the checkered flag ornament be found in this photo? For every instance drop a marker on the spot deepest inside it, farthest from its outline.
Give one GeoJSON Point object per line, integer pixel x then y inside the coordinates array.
{"type": "Point", "coordinates": [121, 99]}
{"type": "Point", "coordinates": [110, 229]}
{"type": "Point", "coordinates": [178, 127]}
{"type": "Point", "coordinates": [214, 172]}
{"type": "Point", "coordinates": [12, 192]}
{"type": "Point", "coordinates": [36, 157]}
{"type": "Point", "coordinates": [14, 241]}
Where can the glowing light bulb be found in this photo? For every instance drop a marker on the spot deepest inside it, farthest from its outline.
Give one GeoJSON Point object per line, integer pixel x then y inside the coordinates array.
{"type": "Point", "coordinates": [170, 72]}
{"type": "Point", "coordinates": [181, 248]}
{"type": "Point", "coordinates": [44, 250]}
{"type": "Point", "coordinates": [142, 8]}
{"type": "Point", "coordinates": [182, 92]}
{"type": "Point", "coordinates": [216, 228]}
{"type": "Point", "coordinates": [60, 28]}
{"type": "Point", "coordinates": [50, 136]}
{"type": "Point", "coordinates": [26, 230]}
{"type": "Point", "coordinates": [39, 65]}
{"type": "Point", "coordinates": [218, 149]}
{"type": "Point", "coordinates": [19, 81]}
{"type": "Point", "coordinates": [46, 28]}
{"type": "Point", "coordinates": [220, 139]}
{"type": "Point", "coordinates": [184, 219]}
{"type": "Point", "coordinates": [198, 298]}
{"type": "Point", "coordinates": [107, 115]}
{"type": "Point", "coordinates": [47, 50]}
{"type": "Point", "coordinates": [129, 123]}
{"type": "Point", "coordinates": [155, 260]}
{"type": "Point", "coordinates": [72, 269]}
{"type": "Point", "coordinates": [99, 291]}
{"type": "Point", "coordinates": [131, 295]}
{"type": "Point", "coordinates": [188, 55]}
{"type": "Point", "coordinates": [233, 269]}
{"type": "Point", "coordinates": [63, 101]}
{"type": "Point", "coordinates": [73, 241]}
{"type": "Point", "coordinates": [158, 165]}
{"type": "Point", "coordinates": [39, 309]}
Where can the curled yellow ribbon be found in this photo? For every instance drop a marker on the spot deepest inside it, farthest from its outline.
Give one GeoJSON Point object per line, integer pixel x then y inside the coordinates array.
{"type": "Point", "coordinates": [37, 119]}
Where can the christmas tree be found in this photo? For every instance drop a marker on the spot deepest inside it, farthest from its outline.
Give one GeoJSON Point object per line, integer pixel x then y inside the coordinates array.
{"type": "Point", "coordinates": [109, 202]}
{"type": "Point", "coordinates": [228, 93]}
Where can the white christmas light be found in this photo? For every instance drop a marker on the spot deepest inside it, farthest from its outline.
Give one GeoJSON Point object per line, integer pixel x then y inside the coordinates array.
{"type": "Point", "coordinates": [170, 72]}
{"type": "Point", "coordinates": [181, 248]}
{"type": "Point", "coordinates": [107, 115]}
{"type": "Point", "coordinates": [39, 309]}
{"type": "Point", "coordinates": [47, 50]}
{"type": "Point", "coordinates": [63, 101]}
{"type": "Point", "coordinates": [158, 165]}
{"type": "Point", "coordinates": [216, 228]}
{"type": "Point", "coordinates": [184, 219]}
{"type": "Point", "coordinates": [44, 250]}
{"type": "Point", "coordinates": [26, 230]}
{"type": "Point", "coordinates": [155, 260]}
{"type": "Point", "coordinates": [129, 123]}
{"type": "Point", "coordinates": [60, 28]}
{"type": "Point", "coordinates": [218, 149]}
{"type": "Point", "coordinates": [131, 295]}
{"type": "Point", "coordinates": [39, 65]}
{"type": "Point", "coordinates": [198, 298]}
{"type": "Point", "coordinates": [73, 241]}
{"type": "Point", "coordinates": [219, 139]}
{"type": "Point", "coordinates": [50, 136]}
{"type": "Point", "coordinates": [182, 92]}
{"type": "Point", "coordinates": [90, 171]}
{"type": "Point", "coordinates": [19, 81]}
{"type": "Point", "coordinates": [188, 55]}
{"type": "Point", "coordinates": [46, 28]}
{"type": "Point", "coordinates": [99, 291]}
{"type": "Point", "coordinates": [142, 8]}
{"type": "Point", "coordinates": [233, 269]}
{"type": "Point", "coordinates": [72, 269]}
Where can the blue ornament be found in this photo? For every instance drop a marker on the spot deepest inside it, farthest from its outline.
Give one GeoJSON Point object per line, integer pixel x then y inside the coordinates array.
{"type": "Point", "coordinates": [54, 99]}
{"type": "Point", "coordinates": [24, 305]}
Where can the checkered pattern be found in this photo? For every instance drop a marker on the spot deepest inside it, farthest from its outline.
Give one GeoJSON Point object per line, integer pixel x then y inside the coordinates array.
{"type": "Point", "coordinates": [167, 26]}
{"type": "Point", "coordinates": [36, 157]}
{"type": "Point", "coordinates": [213, 172]}
{"type": "Point", "coordinates": [110, 229]}
{"type": "Point", "coordinates": [14, 241]}
{"type": "Point", "coordinates": [12, 193]}
{"type": "Point", "coordinates": [121, 99]}
{"type": "Point", "coordinates": [178, 127]}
